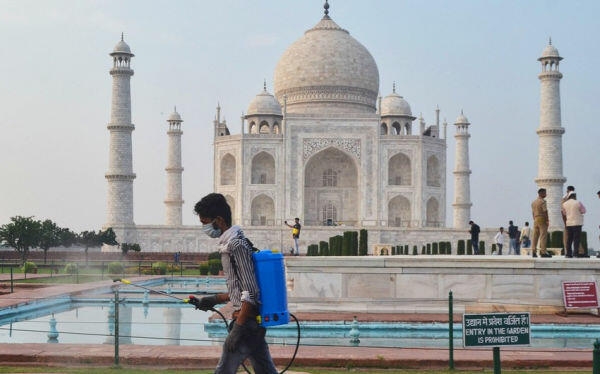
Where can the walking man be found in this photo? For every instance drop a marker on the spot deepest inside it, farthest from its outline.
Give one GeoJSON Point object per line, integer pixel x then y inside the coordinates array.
{"type": "Point", "coordinates": [539, 211]}
{"type": "Point", "coordinates": [474, 237]}
{"type": "Point", "coordinates": [246, 339]}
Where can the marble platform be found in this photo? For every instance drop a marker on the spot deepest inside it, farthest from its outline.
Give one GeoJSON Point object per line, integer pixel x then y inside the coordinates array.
{"type": "Point", "coordinates": [421, 284]}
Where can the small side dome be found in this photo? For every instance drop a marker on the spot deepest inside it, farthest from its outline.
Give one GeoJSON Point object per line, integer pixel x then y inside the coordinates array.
{"type": "Point", "coordinates": [122, 48]}
{"type": "Point", "coordinates": [550, 51]}
{"type": "Point", "coordinates": [264, 104]}
{"type": "Point", "coordinates": [461, 119]}
{"type": "Point", "coordinates": [174, 117]}
{"type": "Point", "coordinates": [395, 105]}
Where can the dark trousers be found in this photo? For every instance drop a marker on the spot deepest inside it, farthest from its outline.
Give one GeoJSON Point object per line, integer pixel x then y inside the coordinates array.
{"type": "Point", "coordinates": [573, 239]}
{"type": "Point", "coordinates": [475, 244]}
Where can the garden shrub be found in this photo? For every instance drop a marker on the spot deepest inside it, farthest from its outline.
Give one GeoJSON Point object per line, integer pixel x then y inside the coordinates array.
{"type": "Point", "coordinates": [115, 267]}
{"type": "Point", "coordinates": [203, 267]}
{"type": "Point", "coordinates": [214, 266]}
{"type": "Point", "coordinates": [363, 248]}
{"type": "Point", "coordinates": [460, 249]}
{"type": "Point", "coordinates": [159, 268]}
{"type": "Point", "coordinates": [71, 268]}
{"type": "Point", "coordinates": [29, 267]}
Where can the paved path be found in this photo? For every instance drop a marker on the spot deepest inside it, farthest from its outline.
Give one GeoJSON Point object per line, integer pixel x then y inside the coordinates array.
{"type": "Point", "coordinates": [207, 357]}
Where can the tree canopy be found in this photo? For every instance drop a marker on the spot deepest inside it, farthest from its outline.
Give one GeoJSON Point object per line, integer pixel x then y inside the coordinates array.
{"type": "Point", "coordinates": [25, 233]}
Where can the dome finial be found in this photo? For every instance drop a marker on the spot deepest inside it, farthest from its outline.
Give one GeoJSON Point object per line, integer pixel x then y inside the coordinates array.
{"type": "Point", "coordinates": [394, 87]}
{"type": "Point", "coordinates": [326, 6]}
{"type": "Point", "coordinates": [549, 40]}
{"type": "Point", "coordinates": [265, 84]}
{"type": "Point", "coordinates": [175, 108]}
{"type": "Point", "coordinates": [122, 36]}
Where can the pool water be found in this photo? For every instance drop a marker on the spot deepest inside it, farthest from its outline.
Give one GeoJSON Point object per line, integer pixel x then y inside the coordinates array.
{"type": "Point", "coordinates": [152, 319]}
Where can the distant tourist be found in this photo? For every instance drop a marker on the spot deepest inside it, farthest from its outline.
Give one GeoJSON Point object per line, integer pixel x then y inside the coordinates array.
{"type": "Point", "coordinates": [296, 227]}
{"type": "Point", "coordinates": [573, 211]}
{"type": "Point", "coordinates": [474, 236]}
{"type": "Point", "coordinates": [499, 240]}
{"type": "Point", "coordinates": [570, 190]}
{"type": "Point", "coordinates": [539, 211]}
{"type": "Point", "coordinates": [513, 236]}
{"type": "Point", "coordinates": [526, 236]}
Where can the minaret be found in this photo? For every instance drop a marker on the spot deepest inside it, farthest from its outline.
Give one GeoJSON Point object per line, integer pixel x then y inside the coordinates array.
{"type": "Point", "coordinates": [120, 174]}
{"type": "Point", "coordinates": [550, 166]}
{"type": "Point", "coordinates": [174, 201]}
{"type": "Point", "coordinates": [462, 185]}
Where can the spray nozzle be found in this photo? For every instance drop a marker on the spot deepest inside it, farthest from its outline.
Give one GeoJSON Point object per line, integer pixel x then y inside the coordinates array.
{"type": "Point", "coordinates": [125, 281]}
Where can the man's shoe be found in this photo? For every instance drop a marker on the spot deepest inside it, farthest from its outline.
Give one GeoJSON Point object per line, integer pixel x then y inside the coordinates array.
{"type": "Point", "coordinates": [546, 255]}
{"type": "Point", "coordinates": [534, 255]}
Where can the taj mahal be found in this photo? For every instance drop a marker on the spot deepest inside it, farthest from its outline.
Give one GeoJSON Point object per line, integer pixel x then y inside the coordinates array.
{"type": "Point", "coordinates": [328, 145]}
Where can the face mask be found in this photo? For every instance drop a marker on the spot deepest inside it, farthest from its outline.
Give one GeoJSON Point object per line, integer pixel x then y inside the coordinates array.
{"type": "Point", "coordinates": [210, 230]}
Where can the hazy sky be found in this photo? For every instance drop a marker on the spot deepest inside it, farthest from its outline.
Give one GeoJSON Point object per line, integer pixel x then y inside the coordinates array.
{"type": "Point", "coordinates": [475, 55]}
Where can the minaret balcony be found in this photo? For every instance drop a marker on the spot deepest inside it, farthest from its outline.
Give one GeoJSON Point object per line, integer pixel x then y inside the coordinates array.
{"type": "Point", "coordinates": [551, 131]}
{"type": "Point", "coordinates": [121, 70]}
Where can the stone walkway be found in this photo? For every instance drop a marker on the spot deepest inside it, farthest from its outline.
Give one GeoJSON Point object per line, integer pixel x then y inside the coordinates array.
{"type": "Point", "coordinates": [207, 357]}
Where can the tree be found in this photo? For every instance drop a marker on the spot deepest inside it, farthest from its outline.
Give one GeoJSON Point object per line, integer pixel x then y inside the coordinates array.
{"type": "Point", "coordinates": [363, 249]}
{"type": "Point", "coordinates": [50, 236]}
{"type": "Point", "coordinates": [126, 247]}
{"type": "Point", "coordinates": [107, 237]}
{"type": "Point", "coordinates": [22, 234]}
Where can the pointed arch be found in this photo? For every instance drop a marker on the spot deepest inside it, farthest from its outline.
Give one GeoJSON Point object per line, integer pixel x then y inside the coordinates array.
{"type": "Point", "coordinates": [228, 170]}
{"type": "Point", "coordinates": [399, 212]}
{"type": "Point", "coordinates": [262, 211]}
{"type": "Point", "coordinates": [253, 128]}
{"type": "Point", "coordinates": [263, 168]}
{"type": "Point", "coordinates": [276, 128]}
{"type": "Point", "coordinates": [397, 128]}
{"type": "Point", "coordinates": [433, 213]}
{"type": "Point", "coordinates": [264, 128]}
{"type": "Point", "coordinates": [383, 128]}
{"type": "Point", "coordinates": [331, 179]}
{"type": "Point", "coordinates": [399, 170]}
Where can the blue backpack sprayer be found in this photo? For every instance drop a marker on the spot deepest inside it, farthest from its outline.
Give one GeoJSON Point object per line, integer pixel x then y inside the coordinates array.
{"type": "Point", "coordinates": [270, 276]}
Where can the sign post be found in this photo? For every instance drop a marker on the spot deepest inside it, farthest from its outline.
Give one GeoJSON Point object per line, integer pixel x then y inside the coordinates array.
{"type": "Point", "coordinates": [580, 295]}
{"type": "Point", "coordinates": [495, 330]}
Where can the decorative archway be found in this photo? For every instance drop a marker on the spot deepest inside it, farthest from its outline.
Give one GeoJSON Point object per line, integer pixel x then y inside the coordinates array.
{"type": "Point", "coordinates": [227, 170]}
{"type": "Point", "coordinates": [331, 179]}
{"type": "Point", "coordinates": [263, 169]}
{"type": "Point", "coordinates": [262, 211]}
{"type": "Point", "coordinates": [399, 212]}
{"type": "Point", "coordinates": [433, 213]}
{"type": "Point", "coordinates": [399, 170]}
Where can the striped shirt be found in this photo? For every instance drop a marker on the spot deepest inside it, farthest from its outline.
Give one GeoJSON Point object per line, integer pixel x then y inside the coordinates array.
{"type": "Point", "coordinates": [236, 257]}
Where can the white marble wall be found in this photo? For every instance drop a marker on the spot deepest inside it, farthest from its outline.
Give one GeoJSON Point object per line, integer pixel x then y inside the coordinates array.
{"type": "Point", "coordinates": [422, 283]}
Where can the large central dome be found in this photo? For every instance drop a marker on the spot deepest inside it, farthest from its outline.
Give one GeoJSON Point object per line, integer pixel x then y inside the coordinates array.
{"type": "Point", "coordinates": [327, 71]}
